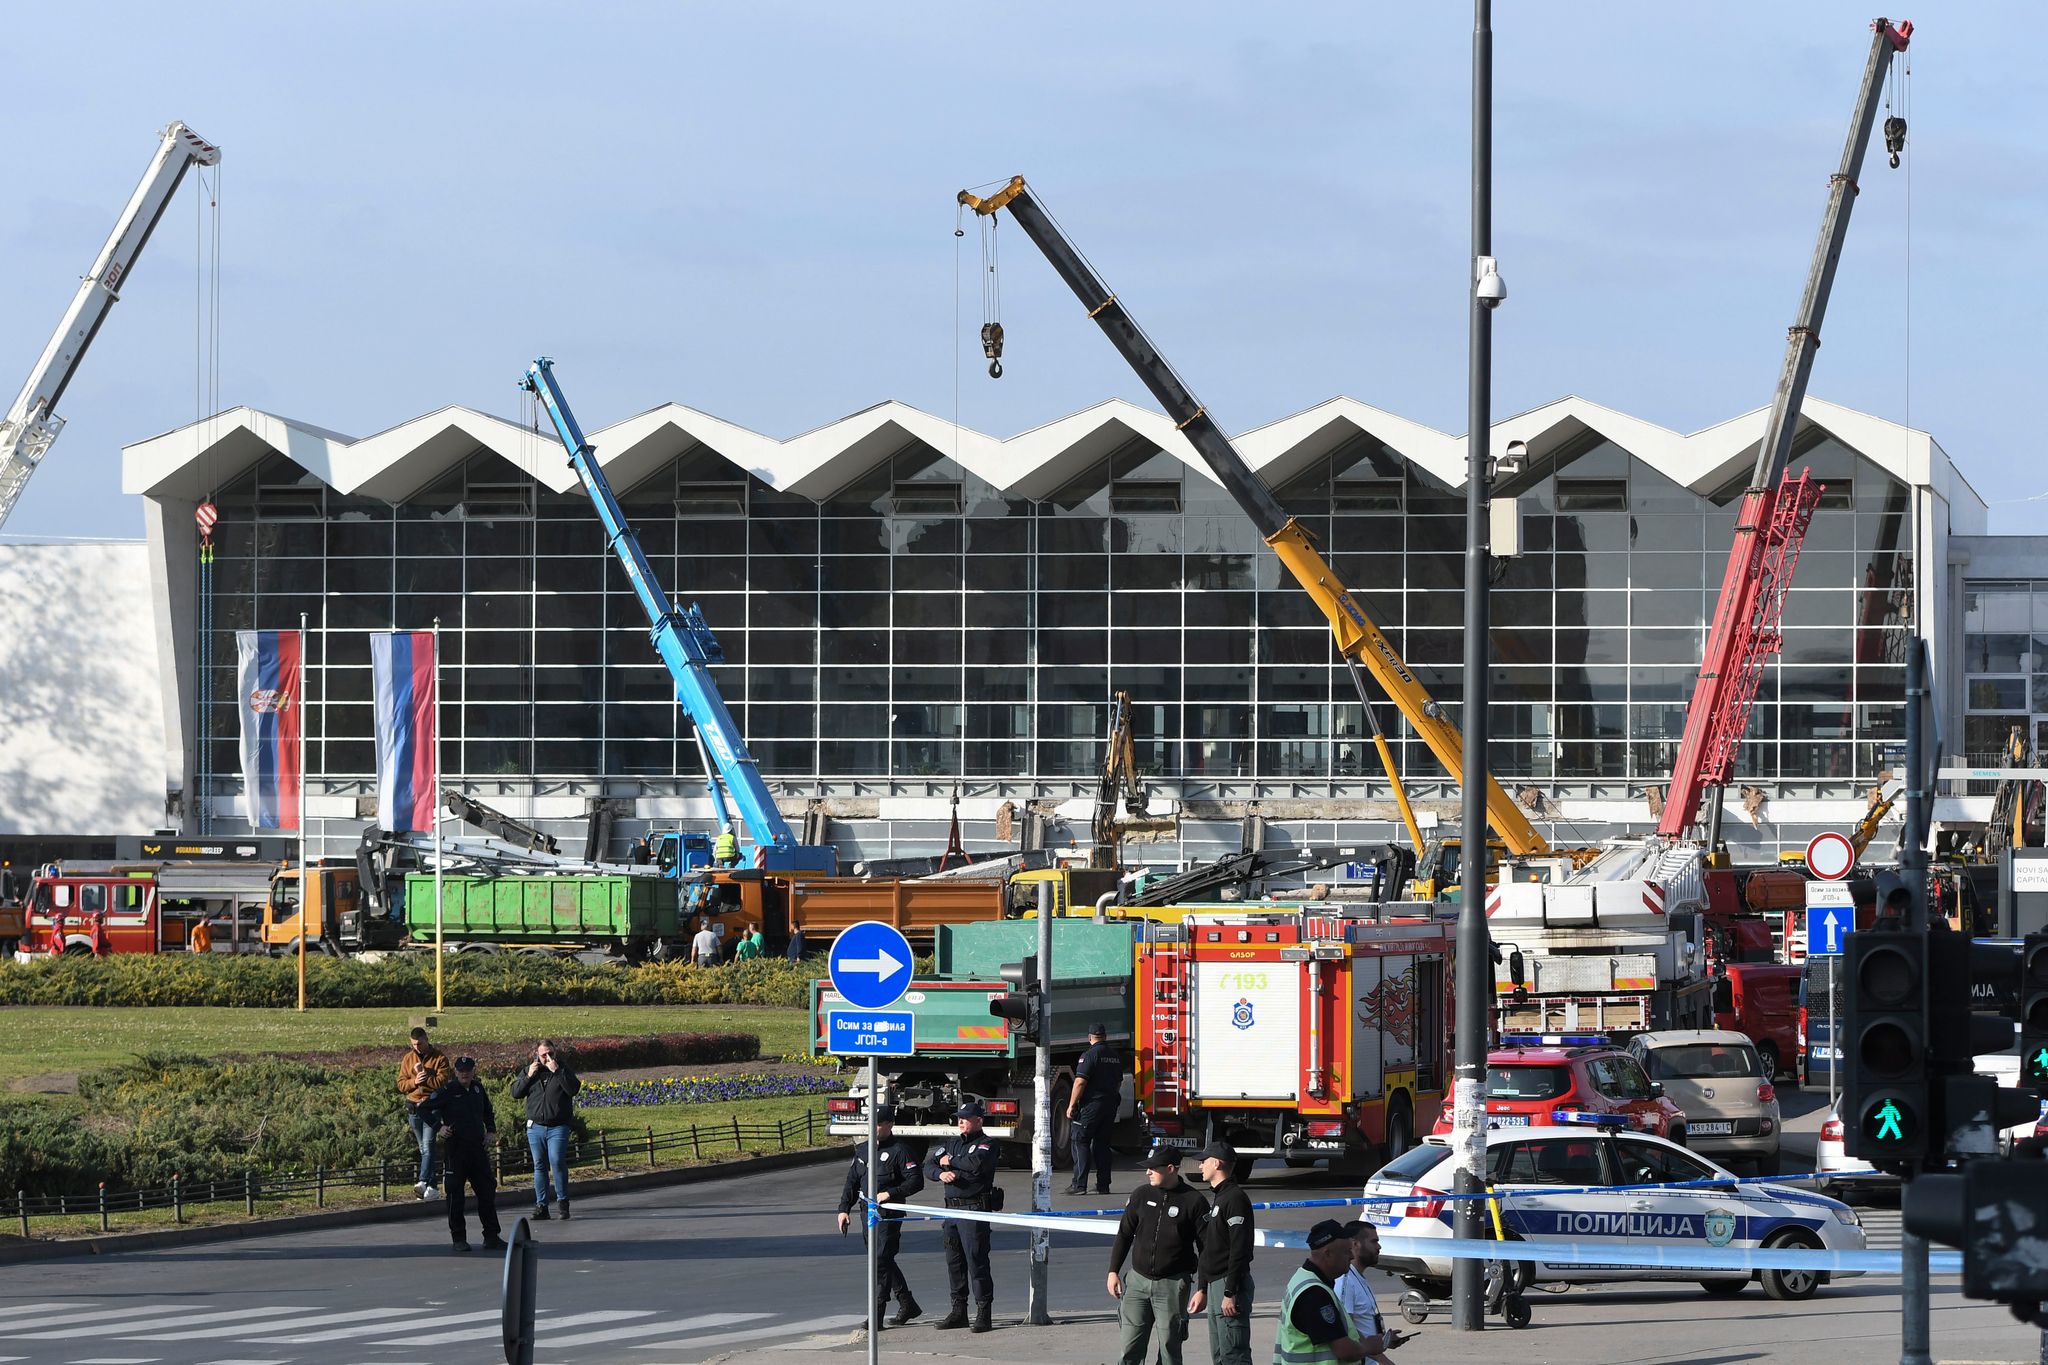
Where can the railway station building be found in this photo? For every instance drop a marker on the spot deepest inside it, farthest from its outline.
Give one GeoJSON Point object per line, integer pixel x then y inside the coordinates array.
{"type": "Point", "coordinates": [913, 613]}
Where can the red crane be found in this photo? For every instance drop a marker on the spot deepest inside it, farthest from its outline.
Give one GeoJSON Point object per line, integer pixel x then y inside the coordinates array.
{"type": "Point", "coordinates": [1778, 507]}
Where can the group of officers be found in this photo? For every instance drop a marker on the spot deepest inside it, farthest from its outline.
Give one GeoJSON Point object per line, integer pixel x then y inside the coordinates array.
{"type": "Point", "coordinates": [1178, 1252]}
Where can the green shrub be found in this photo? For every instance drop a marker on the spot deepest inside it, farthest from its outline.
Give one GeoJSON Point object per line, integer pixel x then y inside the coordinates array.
{"type": "Point", "coordinates": [584, 1054]}
{"type": "Point", "coordinates": [254, 981]}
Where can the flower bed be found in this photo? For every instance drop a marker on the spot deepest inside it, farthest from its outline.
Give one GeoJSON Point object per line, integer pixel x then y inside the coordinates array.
{"type": "Point", "coordinates": [745, 1085]}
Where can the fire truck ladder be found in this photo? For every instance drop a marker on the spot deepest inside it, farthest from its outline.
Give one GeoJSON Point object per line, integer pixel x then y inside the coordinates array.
{"type": "Point", "coordinates": [1169, 1027]}
{"type": "Point", "coordinates": [1784, 518]}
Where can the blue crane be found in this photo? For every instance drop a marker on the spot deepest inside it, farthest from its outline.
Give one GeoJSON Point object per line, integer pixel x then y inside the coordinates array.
{"type": "Point", "coordinates": [689, 649]}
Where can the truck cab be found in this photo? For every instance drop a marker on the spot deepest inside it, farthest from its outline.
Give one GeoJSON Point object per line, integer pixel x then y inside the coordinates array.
{"type": "Point", "coordinates": [103, 908]}
{"type": "Point", "coordinates": [335, 918]}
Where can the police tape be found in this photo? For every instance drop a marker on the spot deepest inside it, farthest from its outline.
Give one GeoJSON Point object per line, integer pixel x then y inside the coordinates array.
{"type": "Point", "coordinates": [1635, 1253]}
{"type": "Point", "coordinates": [1504, 1195]}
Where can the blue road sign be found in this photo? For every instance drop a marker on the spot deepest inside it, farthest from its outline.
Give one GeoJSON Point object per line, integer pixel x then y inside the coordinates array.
{"type": "Point", "coordinates": [870, 965]}
{"type": "Point", "coordinates": [869, 1033]}
{"type": "Point", "coordinates": [1830, 918]}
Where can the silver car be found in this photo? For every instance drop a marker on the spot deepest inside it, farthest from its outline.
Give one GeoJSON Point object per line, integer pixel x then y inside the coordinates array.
{"type": "Point", "coordinates": [1716, 1077]}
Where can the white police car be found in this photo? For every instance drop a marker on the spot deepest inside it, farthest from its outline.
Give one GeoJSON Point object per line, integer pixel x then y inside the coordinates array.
{"type": "Point", "coordinates": [1581, 1158]}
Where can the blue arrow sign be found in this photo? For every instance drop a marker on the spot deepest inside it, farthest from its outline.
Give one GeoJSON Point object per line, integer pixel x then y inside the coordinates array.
{"type": "Point", "coordinates": [870, 965]}
{"type": "Point", "coordinates": [1830, 918]}
{"type": "Point", "coordinates": [870, 1033]}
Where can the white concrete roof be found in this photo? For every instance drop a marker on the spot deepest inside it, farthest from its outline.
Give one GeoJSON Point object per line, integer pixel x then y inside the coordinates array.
{"type": "Point", "coordinates": [393, 464]}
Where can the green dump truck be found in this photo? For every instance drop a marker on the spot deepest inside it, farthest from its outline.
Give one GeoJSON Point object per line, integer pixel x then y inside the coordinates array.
{"type": "Point", "coordinates": [963, 1051]}
{"type": "Point", "coordinates": [626, 915]}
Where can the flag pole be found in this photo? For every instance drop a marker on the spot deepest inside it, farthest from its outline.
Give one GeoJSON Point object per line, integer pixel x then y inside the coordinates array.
{"type": "Point", "coordinates": [440, 946]}
{"type": "Point", "coordinates": [305, 889]}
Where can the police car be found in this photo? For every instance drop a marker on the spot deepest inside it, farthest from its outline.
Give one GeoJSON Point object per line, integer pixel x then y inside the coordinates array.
{"type": "Point", "coordinates": [1584, 1153]}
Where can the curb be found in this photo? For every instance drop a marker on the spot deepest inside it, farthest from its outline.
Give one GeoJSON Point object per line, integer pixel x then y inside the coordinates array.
{"type": "Point", "coordinates": [110, 1244]}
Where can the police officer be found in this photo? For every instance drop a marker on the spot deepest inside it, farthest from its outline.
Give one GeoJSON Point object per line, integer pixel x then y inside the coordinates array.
{"type": "Point", "coordinates": [966, 1165]}
{"type": "Point", "coordinates": [1091, 1110]}
{"type": "Point", "coordinates": [1223, 1283]}
{"type": "Point", "coordinates": [1158, 1232]}
{"type": "Point", "coordinates": [1314, 1328]}
{"type": "Point", "coordinates": [461, 1111]}
{"type": "Point", "coordinates": [897, 1177]}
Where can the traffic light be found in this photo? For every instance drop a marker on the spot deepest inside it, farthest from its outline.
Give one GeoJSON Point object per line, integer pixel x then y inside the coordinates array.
{"type": "Point", "coordinates": [1990, 1212]}
{"type": "Point", "coordinates": [1022, 1005]}
{"type": "Point", "coordinates": [1969, 1111]}
{"type": "Point", "coordinates": [2034, 1011]}
{"type": "Point", "coordinates": [1885, 1083]}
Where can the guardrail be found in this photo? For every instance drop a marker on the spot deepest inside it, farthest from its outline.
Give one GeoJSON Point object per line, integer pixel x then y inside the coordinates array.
{"type": "Point", "coordinates": [252, 1189]}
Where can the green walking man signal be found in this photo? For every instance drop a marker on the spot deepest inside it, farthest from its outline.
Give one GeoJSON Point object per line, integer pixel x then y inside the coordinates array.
{"type": "Point", "coordinates": [1888, 1124]}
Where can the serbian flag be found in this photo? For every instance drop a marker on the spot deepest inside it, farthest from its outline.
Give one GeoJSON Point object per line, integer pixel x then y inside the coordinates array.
{"type": "Point", "coordinates": [269, 677]}
{"type": "Point", "coordinates": [403, 680]}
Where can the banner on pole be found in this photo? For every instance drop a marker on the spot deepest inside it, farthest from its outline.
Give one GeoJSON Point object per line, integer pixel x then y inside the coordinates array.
{"type": "Point", "coordinates": [269, 676]}
{"type": "Point", "coordinates": [402, 676]}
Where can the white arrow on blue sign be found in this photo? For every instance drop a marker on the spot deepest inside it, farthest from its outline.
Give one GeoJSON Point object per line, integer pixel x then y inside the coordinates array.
{"type": "Point", "coordinates": [870, 965]}
{"type": "Point", "coordinates": [1830, 918]}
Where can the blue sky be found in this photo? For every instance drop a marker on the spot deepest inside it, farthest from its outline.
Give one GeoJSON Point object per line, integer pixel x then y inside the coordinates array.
{"type": "Point", "coordinates": [748, 208]}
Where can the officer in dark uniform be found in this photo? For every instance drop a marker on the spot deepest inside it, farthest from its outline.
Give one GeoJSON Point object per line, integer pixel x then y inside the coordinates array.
{"type": "Point", "coordinates": [897, 1177]}
{"type": "Point", "coordinates": [461, 1112]}
{"type": "Point", "coordinates": [1091, 1110]}
{"type": "Point", "coordinates": [966, 1166]}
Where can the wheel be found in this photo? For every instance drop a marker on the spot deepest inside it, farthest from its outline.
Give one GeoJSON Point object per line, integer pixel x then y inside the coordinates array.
{"type": "Point", "coordinates": [1241, 1169]}
{"type": "Point", "coordinates": [1721, 1289]}
{"type": "Point", "coordinates": [1400, 1128]}
{"type": "Point", "coordinates": [1769, 1165]}
{"type": "Point", "coordinates": [1414, 1308]}
{"type": "Point", "coordinates": [1768, 1054]}
{"type": "Point", "coordinates": [77, 950]}
{"type": "Point", "coordinates": [1678, 1135]}
{"type": "Point", "coordinates": [1790, 1286]}
{"type": "Point", "coordinates": [1516, 1311]}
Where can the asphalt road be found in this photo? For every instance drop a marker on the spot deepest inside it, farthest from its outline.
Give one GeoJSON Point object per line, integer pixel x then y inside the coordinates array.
{"type": "Point", "coordinates": [751, 1268]}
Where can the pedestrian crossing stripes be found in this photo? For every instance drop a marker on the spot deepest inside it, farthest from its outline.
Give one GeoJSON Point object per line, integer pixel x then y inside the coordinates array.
{"type": "Point", "coordinates": [328, 1331]}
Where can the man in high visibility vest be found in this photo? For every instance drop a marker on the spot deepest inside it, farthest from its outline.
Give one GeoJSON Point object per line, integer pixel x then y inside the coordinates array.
{"type": "Point", "coordinates": [1314, 1329]}
{"type": "Point", "coordinates": [725, 849]}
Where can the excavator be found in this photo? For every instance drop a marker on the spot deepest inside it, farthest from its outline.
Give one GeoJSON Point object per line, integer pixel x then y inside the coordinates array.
{"type": "Point", "coordinates": [1362, 645]}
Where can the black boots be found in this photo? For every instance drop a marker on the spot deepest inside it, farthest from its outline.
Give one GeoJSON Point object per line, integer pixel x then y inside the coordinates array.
{"type": "Point", "coordinates": [906, 1309]}
{"type": "Point", "coordinates": [956, 1318]}
{"type": "Point", "coordinates": [981, 1322]}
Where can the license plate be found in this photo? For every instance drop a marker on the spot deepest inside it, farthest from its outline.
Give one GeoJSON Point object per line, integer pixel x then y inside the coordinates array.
{"type": "Point", "coordinates": [1507, 1120]}
{"type": "Point", "coordinates": [1723, 1129]}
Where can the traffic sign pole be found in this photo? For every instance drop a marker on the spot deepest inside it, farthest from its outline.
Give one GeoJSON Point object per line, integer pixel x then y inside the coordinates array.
{"type": "Point", "coordinates": [874, 1226]}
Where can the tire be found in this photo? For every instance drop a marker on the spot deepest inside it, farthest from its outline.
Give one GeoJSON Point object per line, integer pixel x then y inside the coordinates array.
{"type": "Point", "coordinates": [1414, 1309]}
{"type": "Point", "coordinates": [1768, 1052]}
{"type": "Point", "coordinates": [1790, 1286]}
{"type": "Point", "coordinates": [1770, 1165]}
{"type": "Point", "coordinates": [1677, 1135]}
{"type": "Point", "coordinates": [1241, 1170]}
{"type": "Point", "coordinates": [77, 950]}
{"type": "Point", "coordinates": [1400, 1128]}
{"type": "Point", "coordinates": [1722, 1289]}
{"type": "Point", "coordinates": [1516, 1311]}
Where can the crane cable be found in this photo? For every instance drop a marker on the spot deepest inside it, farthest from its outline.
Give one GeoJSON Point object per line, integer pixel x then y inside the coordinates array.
{"type": "Point", "coordinates": [206, 404]}
{"type": "Point", "coordinates": [991, 296]}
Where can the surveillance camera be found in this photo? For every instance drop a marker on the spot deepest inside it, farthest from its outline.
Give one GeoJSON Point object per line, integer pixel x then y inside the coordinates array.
{"type": "Point", "coordinates": [1511, 461]}
{"type": "Point", "coordinates": [1488, 286]}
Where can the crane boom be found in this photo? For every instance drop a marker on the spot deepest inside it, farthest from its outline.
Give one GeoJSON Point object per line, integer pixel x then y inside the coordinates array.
{"type": "Point", "coordinates": [686, 644]}
{"type": "Point", "coordinates": [31, 424]}
{"type": "Point", "coordinates": [1776, 510]}
{"type": "Point", "coordinates": [1359, 640]}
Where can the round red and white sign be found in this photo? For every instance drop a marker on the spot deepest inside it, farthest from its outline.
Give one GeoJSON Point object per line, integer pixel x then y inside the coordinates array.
{"type": "Point", "coordinates": [206, 516]}
{"type": "Point", "coordinates": [1830, 856]}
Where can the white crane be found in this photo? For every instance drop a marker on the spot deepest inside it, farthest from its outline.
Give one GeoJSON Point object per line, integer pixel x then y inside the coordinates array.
{"type": "Point", "coordinates": [31, 424]}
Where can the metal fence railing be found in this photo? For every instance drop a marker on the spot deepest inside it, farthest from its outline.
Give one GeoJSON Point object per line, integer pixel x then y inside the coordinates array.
{"type": "Point", "coordinates": [251, 1189]}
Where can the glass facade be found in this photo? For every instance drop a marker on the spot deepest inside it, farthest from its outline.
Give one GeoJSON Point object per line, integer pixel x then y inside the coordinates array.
{"type": "Point", "coordinates": [921, 625]}
{"type": "Point", "coordinates": [2005, 667]}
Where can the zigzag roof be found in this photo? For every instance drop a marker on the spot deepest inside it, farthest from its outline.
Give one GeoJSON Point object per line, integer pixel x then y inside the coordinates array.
{"type": "Point", "coordinates": [393, 464]}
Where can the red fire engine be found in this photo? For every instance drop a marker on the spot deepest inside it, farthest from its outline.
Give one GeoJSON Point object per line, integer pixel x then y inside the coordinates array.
{"type": "Point", "coordinates": [1310, 1037]}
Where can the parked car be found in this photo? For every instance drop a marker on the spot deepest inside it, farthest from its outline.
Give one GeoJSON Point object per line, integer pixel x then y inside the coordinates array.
{"type": "Point", "coordinates": [1720, 1080]}
{"type": "Point", "coordinates": [1760, 1000]}
{"type": "Point", "coordinates": [1575, 1161]}
{"type": "Point", "coordinates": [1535, 1077]}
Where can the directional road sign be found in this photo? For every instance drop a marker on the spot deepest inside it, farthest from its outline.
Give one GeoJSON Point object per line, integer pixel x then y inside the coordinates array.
{"type": "Point", "coordinates": [1830, 918]}
{"type": "Point", "coordinates": [870, 1033]}
{"type": "Point", "coordinates": [1830, 856]}
{"type": "Point", "coordinates": [870, 965]}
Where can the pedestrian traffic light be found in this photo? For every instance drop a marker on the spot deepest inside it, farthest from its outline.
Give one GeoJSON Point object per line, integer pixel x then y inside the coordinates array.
{"type": "Point", "coordinates": [1022, 1004]}
{"type": "Point", "coordinates": [1885, 1089]}
{"type": "Point", "coordinates": [1990, 1211]}
{"type": "Point", "coordinates": [1969, 1111]}
{"type": "Point", "coordinates": [2034, 1011]}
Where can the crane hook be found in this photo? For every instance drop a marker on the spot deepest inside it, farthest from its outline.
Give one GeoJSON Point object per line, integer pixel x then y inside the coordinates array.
{"type": "Point", "coordinates": [1895, 138]}
{"type": "Point", "coordinates": [992, 347]}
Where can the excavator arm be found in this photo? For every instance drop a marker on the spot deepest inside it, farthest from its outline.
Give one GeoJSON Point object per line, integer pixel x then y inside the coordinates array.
{"type": "Point", "coordinates": [1361, 642]}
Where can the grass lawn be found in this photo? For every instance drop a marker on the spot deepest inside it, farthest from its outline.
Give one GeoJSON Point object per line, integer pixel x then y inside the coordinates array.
{"type": "Point", "coordinates": [72, 1038]}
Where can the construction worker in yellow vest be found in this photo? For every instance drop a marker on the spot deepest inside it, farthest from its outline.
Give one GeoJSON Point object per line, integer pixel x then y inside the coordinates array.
{"type": "Point", "coordinates": [725, 849]}
{"type": "Point", "coordinates": [1314, 1329]}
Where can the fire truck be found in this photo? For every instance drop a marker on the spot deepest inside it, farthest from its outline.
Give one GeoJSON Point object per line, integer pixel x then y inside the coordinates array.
{"type": "Point", "coordinates": [110, 907]}
{"type": "Point", "coordinates": [1291, 1034]}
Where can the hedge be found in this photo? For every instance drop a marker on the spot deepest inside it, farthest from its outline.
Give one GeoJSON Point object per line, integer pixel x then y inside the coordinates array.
{"type": "Point", "coordinates": [583, 1054]}
{"type": "Point", "coordinates": [405, 980]}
